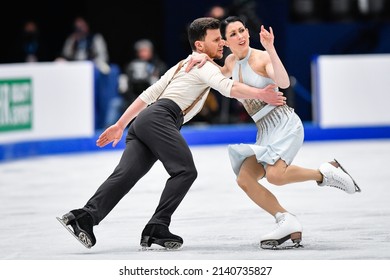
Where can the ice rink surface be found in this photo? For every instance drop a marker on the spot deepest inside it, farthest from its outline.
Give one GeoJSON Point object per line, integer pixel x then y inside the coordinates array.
{"type": "Point", "coordinates": [216, 219]}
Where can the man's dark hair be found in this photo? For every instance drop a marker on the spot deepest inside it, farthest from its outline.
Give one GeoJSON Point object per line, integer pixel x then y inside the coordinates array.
{"type": "Point", "coordinates": [225, 22]}
{"type": "Point", "coordinates": [198, 29]}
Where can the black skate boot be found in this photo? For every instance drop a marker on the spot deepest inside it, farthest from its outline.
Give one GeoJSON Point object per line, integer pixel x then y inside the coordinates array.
{"type": "Point", "coordinates": [82, 224]}
{"type": "Point", "coordinates": [160, 234]}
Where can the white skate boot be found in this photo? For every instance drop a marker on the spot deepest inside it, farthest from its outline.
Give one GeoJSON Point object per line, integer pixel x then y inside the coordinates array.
{"type": "Point", "coordinates": [287, 227]}
{"type": "Point", "coordinates": [334, 175]}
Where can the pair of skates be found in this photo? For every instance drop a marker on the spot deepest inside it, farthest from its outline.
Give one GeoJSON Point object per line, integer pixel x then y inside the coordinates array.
{"type": "Point", "coordinates": [288, 226]}
{"type": "Point", "coordinates": [80, 224]}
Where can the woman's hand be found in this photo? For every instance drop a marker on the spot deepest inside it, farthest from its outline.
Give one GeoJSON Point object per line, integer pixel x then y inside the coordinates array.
{"type": "Point", "coordinates": [197, 59]}
{"type": "Point", "coordinates": [267, 37]}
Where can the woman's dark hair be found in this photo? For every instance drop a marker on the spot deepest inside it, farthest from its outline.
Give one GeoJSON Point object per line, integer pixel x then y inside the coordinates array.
{"type": "Point", "coordinates": [198, 29]}
{"type": "Point", "coordinates": [225, 22]}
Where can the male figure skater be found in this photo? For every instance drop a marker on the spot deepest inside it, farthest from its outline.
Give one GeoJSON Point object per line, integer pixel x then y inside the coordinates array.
{"type": "Point", "coordinates": [154, 134]}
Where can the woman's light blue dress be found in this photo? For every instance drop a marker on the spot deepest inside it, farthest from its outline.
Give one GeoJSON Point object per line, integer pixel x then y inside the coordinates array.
{"type": "Point", "coordinates": [280, 131]}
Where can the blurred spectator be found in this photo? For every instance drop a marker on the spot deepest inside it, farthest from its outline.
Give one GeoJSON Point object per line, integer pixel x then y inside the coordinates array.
{"type": "Point", "coordinates": [246, 9]}
{"type": "Point", "coordinates": [217, 11]}
{"type": "Point", "coordinates": [141, 72]}
{"type": "Point", "coordinates": [32, 47]}
{"type": "Point", "coordinates": [83, 44]}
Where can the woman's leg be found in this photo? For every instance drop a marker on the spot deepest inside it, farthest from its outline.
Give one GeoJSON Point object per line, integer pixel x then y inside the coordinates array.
{"type": "Point", "coordinates": [288, 226]}
{"type": "Point", "coordinates": [250, 173]}
{"type": "Point", "coordinates": [281, 174]}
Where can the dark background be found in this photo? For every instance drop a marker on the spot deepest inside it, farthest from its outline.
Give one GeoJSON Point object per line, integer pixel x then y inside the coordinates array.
{"type": "Point", "coordinates": [302, 30]}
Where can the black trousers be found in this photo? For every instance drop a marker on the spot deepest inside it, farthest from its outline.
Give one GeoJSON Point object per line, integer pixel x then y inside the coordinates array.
{"type": "Point", "coordinates": [153, 135]}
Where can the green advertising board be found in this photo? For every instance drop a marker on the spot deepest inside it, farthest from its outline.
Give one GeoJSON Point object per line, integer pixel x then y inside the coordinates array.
{"type": "Point", "coordinates": [16, 106]}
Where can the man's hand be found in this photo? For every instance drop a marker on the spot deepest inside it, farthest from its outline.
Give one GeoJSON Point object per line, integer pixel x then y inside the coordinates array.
{"type": "Point", "coordinates": [111, 134]}
{"type": "Point", "coordinates": [272, 97]}
{"type": "Point", "coordinates": [197, 59]}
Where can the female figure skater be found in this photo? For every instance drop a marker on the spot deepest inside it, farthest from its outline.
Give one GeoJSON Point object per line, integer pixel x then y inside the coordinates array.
{"type": "Point", "coordinates": [280, 133]}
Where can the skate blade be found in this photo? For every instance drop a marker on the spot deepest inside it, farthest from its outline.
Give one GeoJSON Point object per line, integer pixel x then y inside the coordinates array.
{"type": "Point", "coordinates": [168, 246]}
{"type": "Point", "coordinates": [172, 245]}
{"type": "Point", "coordinates": [160, 248]}
{"type": "Point", "coordinates": [280, 247]}
{"type": "Point", "coordinates": [83, 239]}
{"type": "Point", "coordinates": [357, 188]}
{"type": "Point", "coordinates": [278, 244]}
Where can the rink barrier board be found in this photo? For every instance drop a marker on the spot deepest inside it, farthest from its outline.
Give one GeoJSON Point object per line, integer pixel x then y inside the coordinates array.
{"type": "Point", "coordinates": [194, 135]}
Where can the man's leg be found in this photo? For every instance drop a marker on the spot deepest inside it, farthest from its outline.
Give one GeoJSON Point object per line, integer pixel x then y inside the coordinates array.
{"type": "Point", "coordinates": [163, 138]}
{"type": "Point", "coordinates": [169, 146]}
{"type": "Point", "coordinates": [135, 162]}
{"type": "Point", "coordinates": [177, 159]}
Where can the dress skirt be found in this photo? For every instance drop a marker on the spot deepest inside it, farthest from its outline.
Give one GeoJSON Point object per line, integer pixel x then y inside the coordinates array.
{"type": "Point", "coordinates": [280, 135]}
